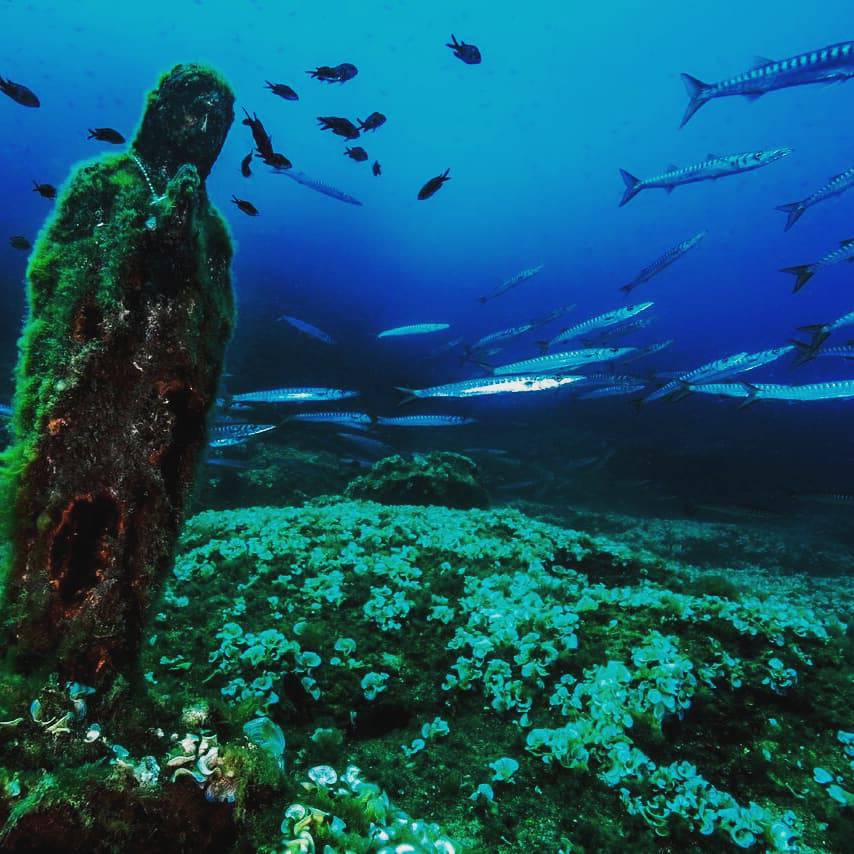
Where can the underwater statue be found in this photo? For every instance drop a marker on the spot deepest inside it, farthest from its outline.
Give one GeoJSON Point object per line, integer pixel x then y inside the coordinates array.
{"type": "Point", "coordinates": [130, 310]}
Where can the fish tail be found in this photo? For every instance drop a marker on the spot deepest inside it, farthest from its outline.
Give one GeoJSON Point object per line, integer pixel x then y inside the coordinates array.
{"type": "Point", "coordinates": [698, 94]}
{"type": "Point", "coordinates": [632, 186]}
{"type": "Point", "coordinates": [794, 210]}
{"type": "Point", "coordinates": [752, 394]}
{"type": "Point", "coordinates": [806, 351]}
{"type": "Point", "coordinates": [408, 395]}
{"type": "Point", "coordinates": [802, 273]}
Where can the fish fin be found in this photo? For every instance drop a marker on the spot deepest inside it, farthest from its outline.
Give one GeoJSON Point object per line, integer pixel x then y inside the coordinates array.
{"type": "Point", "coordinates": [713, 156]}
{"type": "Point", "coordinates": [482, 300]}
{"type": "Point", "coordinates": [669, 189]}
{"type": "Point", "coordinates": [847, 242]}
{"type": "Point", "coordinates": [671, 167]}
{"type": "Point", "coordinates": [802, 273]}
{"type": "Point", "coordinates": [627, 289]}
{"type": "Point", "coordinates": [794, 210]}
{"type": "Point", "coordinates": [752, 395]}
{"type": "Point", "coordinates": [698, 95]}
{"type": "Point", "coordinates": [544, 346]}
{"type": "Point", "coordinates": [408, 395]}
{"type": "Point", "coordinates": [812, 327]}
{"type": "Point", "coordinates": [632, 186]}
{"type": "Point", "coordinates": [753, 96]}
{"type": "Point", "coordinates": [759, 61]}
{"type": "Point", "coordinates": [806, 352]}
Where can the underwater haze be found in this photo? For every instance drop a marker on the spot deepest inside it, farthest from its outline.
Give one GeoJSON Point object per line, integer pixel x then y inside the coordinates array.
{"type": "Point", "coordinates": [512, 510]}
{"type": "Point", "coordinates": [534, 137]}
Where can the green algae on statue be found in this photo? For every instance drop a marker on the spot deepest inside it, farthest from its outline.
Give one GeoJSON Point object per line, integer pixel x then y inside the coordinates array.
{"type": "Point", "coordinates": [130, 310]}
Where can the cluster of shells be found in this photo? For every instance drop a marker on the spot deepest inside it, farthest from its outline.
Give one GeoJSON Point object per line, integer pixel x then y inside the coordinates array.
{"type": "Point", "coordinates": [199, 759]}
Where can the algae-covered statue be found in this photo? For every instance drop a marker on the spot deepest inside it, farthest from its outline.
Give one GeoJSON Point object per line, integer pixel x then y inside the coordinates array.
{"type": "Point", "coordinates": [130, 309]}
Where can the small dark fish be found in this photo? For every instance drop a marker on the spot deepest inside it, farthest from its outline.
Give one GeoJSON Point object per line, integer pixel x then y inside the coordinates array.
{"type": "Point", "coordinates": [247, 207]}
{"type": "Point", "coordinates": [18, 93]}
{"type": "Point", "coordinates": [339, 126]}
{"type": "Point", "coordinates": [282, 91]}
{"type": "Point", "coordinates": [376, 168]}
{"type": "Point", "coordinates": [324, 72]}
{"type": "Point", "coordinates": [356, 153]}
{"type": "Point", "coordinates": [244, 166]}
{"type": "Point", "coordinates": [468, 53]}
{"type": "Point", "coordinates": [372, 122]}
{"type": "Point", "coordinates": [20, 242]}
{"type": "Point", "coordinates": [433, 185]}
{"type": "Point", "coordinates": [346, 71]}
{"type": "Point", "coordinates": [263, 140]}
{"type": "Point", "coordinates": [334, 74]}
{"type": "Point", "coordinates": [277, 161]}
{"type": "Point", "coordinates": [46, 191]}
{"type": "Point", "coordinates": [106, 135]}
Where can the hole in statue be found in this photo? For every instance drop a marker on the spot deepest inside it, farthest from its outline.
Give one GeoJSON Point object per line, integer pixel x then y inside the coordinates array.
{"type": "Point", "coordinates": [78, 551]}
{"type": "Point", "coordinates": [187, 432]}
{"type": "Point", "coordinates": [87, 323]}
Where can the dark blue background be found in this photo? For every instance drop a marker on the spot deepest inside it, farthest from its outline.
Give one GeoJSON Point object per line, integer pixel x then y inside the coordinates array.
{"type": "Point", "coordinates": [533, 137]}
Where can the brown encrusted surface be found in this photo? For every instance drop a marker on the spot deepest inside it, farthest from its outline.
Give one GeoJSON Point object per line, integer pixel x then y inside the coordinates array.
{"type": "Point", "coordinates": [130, 311]}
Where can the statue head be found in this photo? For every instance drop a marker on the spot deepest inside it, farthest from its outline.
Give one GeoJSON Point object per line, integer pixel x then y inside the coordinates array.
{"type": "Point", "coordinates": [186, 120]}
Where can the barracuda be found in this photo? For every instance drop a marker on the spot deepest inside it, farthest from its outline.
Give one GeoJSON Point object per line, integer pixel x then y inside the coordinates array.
{"type": "Point", "coordinates": [713, 167]}
{"type": "Point", "coordinates": [836, 186]}
{"type": "Point", "coordinates": [425, 421]}
{"type": "Point", "coordinates": [228, 435]}
{"type": "Point", "coordinates": [715, 370]}
{"type": "Point", "coordinates": [511, 283]}
{"type": "Point", "coordinates": [493, 385]}
{"type": "Point", "coordinates": [562, 361]}
{"type": "Point", "coordinates": [358, 420]}
{"type": "Point", "coordinates": [663, 262]}
{"type": "Point", "coordinates": [610, 318]}
{"type": "Point", "coordinates": [834, 390]}
{"type": "Point", "coordinates": [613, 391]}
{"type": "Point", "coordinates": [827, 65]}
{"type": "Point", "coordinates": [804, 272]}
{"type": "Point", "coordinates": [740, 363]}
{"type": "Point", "coordinates": [503, 335]}
{"type": "Point", "coordinates": [413, 329]}
{"type": "Point", "coordinates": [294, 395]}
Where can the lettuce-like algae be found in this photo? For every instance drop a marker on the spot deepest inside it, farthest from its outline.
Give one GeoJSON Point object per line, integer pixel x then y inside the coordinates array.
{"type": "Point", "coordinates": [628, 708]}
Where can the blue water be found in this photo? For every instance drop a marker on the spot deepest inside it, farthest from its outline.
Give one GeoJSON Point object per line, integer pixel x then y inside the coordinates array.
{"type": "Point", "coordinates": [534, 137]}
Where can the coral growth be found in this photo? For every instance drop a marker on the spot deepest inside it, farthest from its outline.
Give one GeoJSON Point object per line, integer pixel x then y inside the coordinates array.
{"type": "Point", "coordinates": [440, 477]}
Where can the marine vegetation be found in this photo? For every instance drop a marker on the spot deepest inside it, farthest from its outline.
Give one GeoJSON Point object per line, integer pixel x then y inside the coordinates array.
{"type": "Point", "coordinates": [440, 478]}
{"type": "Point", "coordinates": [130, 308]}
{"type": "Point", "coordinates": [512, 684]}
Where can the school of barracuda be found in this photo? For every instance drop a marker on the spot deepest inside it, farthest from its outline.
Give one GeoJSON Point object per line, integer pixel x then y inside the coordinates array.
{"type": "Point", "coordinates": [555, 368]}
